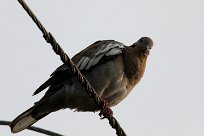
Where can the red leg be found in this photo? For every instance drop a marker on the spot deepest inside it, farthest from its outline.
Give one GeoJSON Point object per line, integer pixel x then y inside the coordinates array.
{"type": "Point", "coordinates": [105, 112]}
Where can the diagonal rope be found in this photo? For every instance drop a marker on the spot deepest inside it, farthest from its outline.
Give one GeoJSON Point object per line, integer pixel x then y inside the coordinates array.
{"type": "Point", "coordinates": [74, 70]}
{"type": "Point", "coordinates": [37, 129]}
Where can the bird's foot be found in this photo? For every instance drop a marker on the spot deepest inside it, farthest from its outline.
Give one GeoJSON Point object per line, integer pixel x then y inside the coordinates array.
{"type": "Point", "coordinates": [105, 112]}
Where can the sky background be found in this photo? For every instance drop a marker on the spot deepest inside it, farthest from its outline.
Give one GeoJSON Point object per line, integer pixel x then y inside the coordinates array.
{"type": "Point", "coordinates": [169, 99]}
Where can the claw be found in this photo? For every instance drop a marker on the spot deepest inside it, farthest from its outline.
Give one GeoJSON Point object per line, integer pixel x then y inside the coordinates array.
{"type": "Point", "coordinates": [105, 112]}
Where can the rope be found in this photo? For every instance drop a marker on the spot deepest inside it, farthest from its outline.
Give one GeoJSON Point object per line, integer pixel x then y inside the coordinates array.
{"type": "Point", "coordinates": [74, 70]}
{"type": "Point", "coordinates": [37, 129]}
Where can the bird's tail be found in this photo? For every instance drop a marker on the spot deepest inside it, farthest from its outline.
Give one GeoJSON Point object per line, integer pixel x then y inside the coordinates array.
{"type": "Point", "coordinates": [25, 120]}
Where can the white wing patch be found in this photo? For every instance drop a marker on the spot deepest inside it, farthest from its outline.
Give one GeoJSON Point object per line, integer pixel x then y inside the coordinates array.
{"type": "Point", "coordinates": [80, 61]}
{"type": "Point", "coordinates": [105, 50]}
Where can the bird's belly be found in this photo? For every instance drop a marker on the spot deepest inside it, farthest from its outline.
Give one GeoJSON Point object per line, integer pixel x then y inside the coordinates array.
{"type": "Point", "coordinates": [109, 83]}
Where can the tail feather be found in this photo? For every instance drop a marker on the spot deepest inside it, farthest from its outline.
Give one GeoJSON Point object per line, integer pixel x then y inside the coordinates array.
{"type": "Point", "coordinates": [24, 120]}
{"type": "Point", "coordinates": [51, 81]}
{"type": "Point", "coordinates": [52, 101]}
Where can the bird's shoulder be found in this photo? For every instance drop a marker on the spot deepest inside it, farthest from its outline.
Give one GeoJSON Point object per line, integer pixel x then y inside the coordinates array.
{"type": "Point", "coordinates": [98, 52]}
{"type": "Point", "coordinates": [94, 54]}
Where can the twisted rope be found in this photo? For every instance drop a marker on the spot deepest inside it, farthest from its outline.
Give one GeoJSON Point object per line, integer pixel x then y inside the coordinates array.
{"type": "Point", "coordinates": [37, 129]}
{"type": "Point", "coordinates": [74, 70]}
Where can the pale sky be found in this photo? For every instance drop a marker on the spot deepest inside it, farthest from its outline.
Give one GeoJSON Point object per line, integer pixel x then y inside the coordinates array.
{"type": "Point", "coordinates": [169, 99]}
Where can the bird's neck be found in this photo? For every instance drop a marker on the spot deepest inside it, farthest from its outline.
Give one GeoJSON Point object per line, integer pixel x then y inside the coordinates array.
{"type": "Point", "coordinates": [134, 65]}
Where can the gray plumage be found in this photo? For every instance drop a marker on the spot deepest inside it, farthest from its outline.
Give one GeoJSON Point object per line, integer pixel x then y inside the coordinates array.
{"type": "Point", "coordinates": [112, 68]}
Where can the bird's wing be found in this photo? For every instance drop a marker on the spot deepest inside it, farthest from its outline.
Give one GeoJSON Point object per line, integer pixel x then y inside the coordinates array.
{"type": "Point", "coordinates": [94, 54]}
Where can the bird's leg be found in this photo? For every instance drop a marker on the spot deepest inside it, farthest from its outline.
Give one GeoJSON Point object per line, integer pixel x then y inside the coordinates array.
{"type": "Point", "coordinates": [105, 112]}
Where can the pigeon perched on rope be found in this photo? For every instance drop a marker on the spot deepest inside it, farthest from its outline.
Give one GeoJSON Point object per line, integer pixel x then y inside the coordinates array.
{"type": "Point", "coordinates": [112, 68]}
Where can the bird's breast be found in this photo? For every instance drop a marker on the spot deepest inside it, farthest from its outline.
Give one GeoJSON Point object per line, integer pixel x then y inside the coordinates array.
{"type": "Point", "coordinates": [109, 81]}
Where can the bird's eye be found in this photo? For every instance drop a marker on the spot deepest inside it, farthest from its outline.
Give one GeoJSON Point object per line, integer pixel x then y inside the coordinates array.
{"type": "Point", "coordinates": [141, 41]}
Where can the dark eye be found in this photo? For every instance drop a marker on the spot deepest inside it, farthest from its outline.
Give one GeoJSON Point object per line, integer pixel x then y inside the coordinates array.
{"type": "Point", "coordinates": [141, 41]}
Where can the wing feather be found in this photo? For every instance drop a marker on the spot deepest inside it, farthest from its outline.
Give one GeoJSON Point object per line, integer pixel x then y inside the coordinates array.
{"type": "Point", "coordinates": [86, 59]}
{"type": "Point", "coordinates": [79, 63]}
{"type": "Point", "coordinates": [84, 63]}
{"type": "Point", "coordinates": [94, 60]}
{"type": "Point", "coordinates": [110, 49]}
{"type": "Point", "coordinates": [93, 54]}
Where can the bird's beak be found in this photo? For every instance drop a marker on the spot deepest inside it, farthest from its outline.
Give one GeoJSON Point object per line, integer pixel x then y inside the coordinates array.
{"type": "Point", "coordinates": [146, 47]}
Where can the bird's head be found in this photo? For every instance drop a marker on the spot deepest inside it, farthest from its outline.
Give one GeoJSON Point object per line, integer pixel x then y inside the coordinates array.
{"type": "Point", "coordinates": [143, 45]}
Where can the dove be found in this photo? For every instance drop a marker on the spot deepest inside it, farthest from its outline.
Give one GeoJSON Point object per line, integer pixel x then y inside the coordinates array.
{"type": "Point", "coordinates": [112, 68]}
